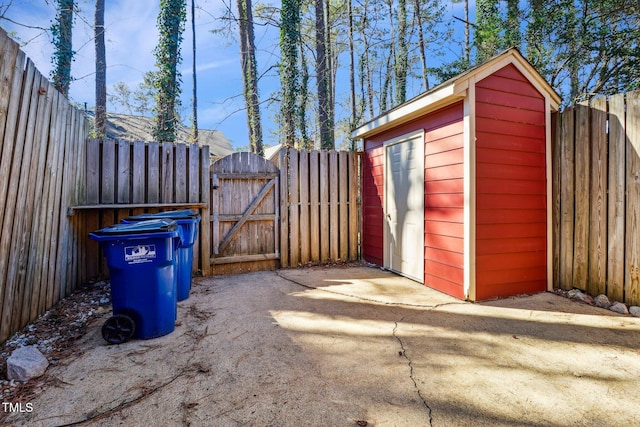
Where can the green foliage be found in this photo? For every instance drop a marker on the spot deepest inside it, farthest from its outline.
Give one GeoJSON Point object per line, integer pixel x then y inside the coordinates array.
{"type": "Point", "coordinates": [166, 82]}
{"type": "Point", "coordinates": [138, 101]}
{"type": "Point", "coordinates": [584, 48]}
{"type": "Point", "coordinates": [63, 53]}
{"type": "Point", "coordinates": [488, 29]}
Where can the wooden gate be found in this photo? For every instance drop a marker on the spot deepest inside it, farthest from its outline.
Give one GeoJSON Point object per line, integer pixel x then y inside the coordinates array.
{"type": "Point", "coordinates": [245, 214]}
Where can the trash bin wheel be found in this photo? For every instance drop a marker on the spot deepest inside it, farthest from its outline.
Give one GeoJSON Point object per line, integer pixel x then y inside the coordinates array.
{"type": "Point", "coordinates": [118, 329]}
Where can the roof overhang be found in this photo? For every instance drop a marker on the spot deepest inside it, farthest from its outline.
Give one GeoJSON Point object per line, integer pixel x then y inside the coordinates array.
{"type": "Point", "coordinates": [454, 90]}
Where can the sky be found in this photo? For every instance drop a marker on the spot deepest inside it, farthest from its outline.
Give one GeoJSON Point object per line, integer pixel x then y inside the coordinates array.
{"type": "Point", "coordinates": [131, 36]}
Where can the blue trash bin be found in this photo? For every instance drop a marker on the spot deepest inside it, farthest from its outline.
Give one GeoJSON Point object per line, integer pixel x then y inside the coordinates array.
{"type": "Point", "coordinates": [187, 220]}
{"type": "Point", "coordinates": [142, 261]}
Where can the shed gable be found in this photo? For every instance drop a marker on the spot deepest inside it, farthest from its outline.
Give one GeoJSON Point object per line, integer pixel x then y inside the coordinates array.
{"type": "Point", "coordinates": [511, 186]}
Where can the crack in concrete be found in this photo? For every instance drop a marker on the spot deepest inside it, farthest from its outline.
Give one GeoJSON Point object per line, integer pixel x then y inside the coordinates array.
{"type": "Point", "coordinates": [403, 353]}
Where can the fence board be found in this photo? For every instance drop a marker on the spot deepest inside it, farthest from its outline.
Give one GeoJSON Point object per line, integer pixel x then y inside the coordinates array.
{"type": "Point", "coordinates": [632, 241]}
{"type": "Point", "coordinates": [598, 199]}
{"type": "Point", "coordinates": [305, 232]}
{"type": "Point", "coordinates": [334, 226]}
{"type": "Point", "coordinates": [123, 179]}
{"type": "Point", "coordinates": [354, 190]}
{"type": "Point", "coordinates": [64, 238]}
{"type": "Point", "coordinates": [108, 180]}
{"type": "Point", "coordinates": [193, 183]}
{"type": "Point", "coordinates": [138, 173]}
{"type": "Point", "coordinates": [153, 173]}
{"type": "Point", "coordinates": [294, 210]}
{"type": "Point", "coordinates": [24, 203]}
{"type": "Point", "coordinates": [29, 259]}
{"type": "Point", "coordinates": [8, 69]}
{"type": "Point", "coordinates": [343, 208]}
{"type": "Point", "coordinates": [93, 171]}
{"type": "Point", "coordinates": [582, 187]}
{"type": "Point", "coordinates": [12, 201]}
{"type": "Point", "coordinates": [616, 202]}
{"type": "Point", "coordinates": [314, 205]}
{"type": "Point", "coordinates": [567, 201]}
{"type": "Point", "coordinates": [180, 180]}
{"type": "Point", "coordinates": [39, 277]}
{"type": "Point", "coordinates": [324, 206]}
{"type": "Point", "coordinates": [54, 203]}
{"type": "Point", "coordinates": [166, 171]}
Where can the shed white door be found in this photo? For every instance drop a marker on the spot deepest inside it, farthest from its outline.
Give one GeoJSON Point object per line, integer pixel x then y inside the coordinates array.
{"type": "Point", "coordinates": [404, 205]}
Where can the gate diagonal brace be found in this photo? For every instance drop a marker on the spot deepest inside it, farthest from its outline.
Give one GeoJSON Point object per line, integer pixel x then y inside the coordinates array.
{"type": "Point", "coordinates": [245, 216]}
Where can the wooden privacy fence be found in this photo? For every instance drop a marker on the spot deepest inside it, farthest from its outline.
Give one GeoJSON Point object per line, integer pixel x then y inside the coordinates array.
{"type": "Point", "coordinates": [255, 215]}
{"type": "Point", "coordinates": [319, 193]}
{"type": "Point", "coordinates": [304, 212]}
{"type": "Point", "coordinates": [128, 178]}
{"type": "Point", "coordinates": [596, 198]}
{"type": "Point", "coordinates": [41, 174]}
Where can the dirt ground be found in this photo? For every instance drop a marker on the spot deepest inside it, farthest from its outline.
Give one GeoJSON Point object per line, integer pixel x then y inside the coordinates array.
{"type": "Point", "coordinates": [351, 346]}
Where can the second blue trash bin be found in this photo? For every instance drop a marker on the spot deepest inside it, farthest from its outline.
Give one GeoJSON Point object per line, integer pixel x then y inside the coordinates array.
{"type": "Point", "coordinates": [187, 220]}
{"type": "Point", "coordinates": [142, 263]}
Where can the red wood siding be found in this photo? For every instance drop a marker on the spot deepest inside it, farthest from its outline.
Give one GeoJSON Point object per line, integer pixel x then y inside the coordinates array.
{"type": "Point", "coordinates": [372, 202]}
{"type": "Point", "coordinates": [510, 186]}
{"type": "Point", "coordinates": [444, 201]}
{"type": "Point", "coordinates": [444, 197]}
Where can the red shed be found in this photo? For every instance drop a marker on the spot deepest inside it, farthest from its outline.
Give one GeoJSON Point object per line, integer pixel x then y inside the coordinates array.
{"type": "Point", "coordinates": [457, 183]}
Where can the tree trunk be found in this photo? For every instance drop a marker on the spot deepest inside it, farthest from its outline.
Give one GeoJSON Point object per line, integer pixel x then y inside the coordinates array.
{"type": "Point", "coordinates": [289, 38]}
{"type": "Point", "coordinates": [171, 20]}
{"type": "Point", "coordinates": [402, 55]}
{"type": "Point", "coordinates": [63, 53]}
{"type": "Point", "coordinates": [367, 63]}
{"type": "Point", "coordinates": [421, 44]}
{"type": "Point", "coordinates": [355, 119]}
{"type": "Point", "coordinates": [467, 38]}
{"type": "Point", "coordinates": [304, 100]}
{"type": "Point", "coordinates": [249, 75]}
{"type": "Point", "coordinates": [100, 121]}
{"type": "Point", "coordinates": [332, 60]}
{"type": "Point", "coordinates": [386, 96]}
{"type": "Point", "coordinates": [326, 142]}
{"type": "Point", "coordinates": [194, 111]}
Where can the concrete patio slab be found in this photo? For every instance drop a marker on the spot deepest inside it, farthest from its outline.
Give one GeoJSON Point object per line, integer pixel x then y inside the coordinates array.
{"type": "Point", "coordinates": [354, 346]}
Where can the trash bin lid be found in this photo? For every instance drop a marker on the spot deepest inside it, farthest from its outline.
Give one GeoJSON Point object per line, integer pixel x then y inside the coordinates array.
{"type": "Point", "coordinates": [141, 227]}
{"type": "Point", "coordinates": [177, 215]}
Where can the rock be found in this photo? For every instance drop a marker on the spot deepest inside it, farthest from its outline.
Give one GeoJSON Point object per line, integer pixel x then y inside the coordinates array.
{"type": "Point", "coordinates": [619, 307]}
{"type": "Point", "coordinates": [26, 363]}
{"type": "Point", "coordinates": [576, 294]}
{"type": "Point", "coordinates": [634, 310]}
{"type": "Point", "coordinates": [602, 301]}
